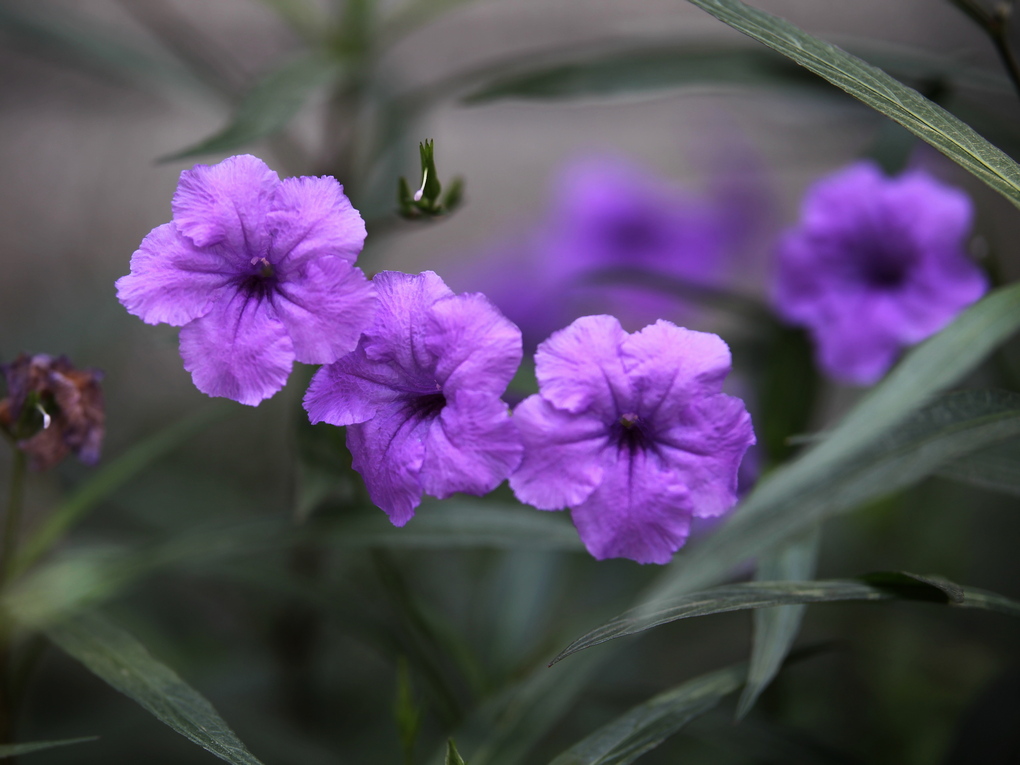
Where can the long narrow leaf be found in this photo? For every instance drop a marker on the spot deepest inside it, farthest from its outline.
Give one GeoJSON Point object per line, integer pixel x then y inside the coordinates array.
{"type": "Point", "coordinates": [646, 726]}
{"type": "Point", "coordinates": [738, 597]}
{"type": "Point", "coordinates": [620, 72]}
{"type": "Point", "coordinates": [16, 750]}
{"type": "Point", "coordinates": [110, 478]}
{"type": "Point", "coordinates": [780, 500]}
{"type": "Point", "coordinates": [775, 629]}
{"type": "Point", "coordinates": [877, 89]}
{"type": "Point", "coordinates": [269, 105]}
{"type": "Point", "coordinates": [996, 468]}
{"type": "Point", "coordinates": [119, 659]}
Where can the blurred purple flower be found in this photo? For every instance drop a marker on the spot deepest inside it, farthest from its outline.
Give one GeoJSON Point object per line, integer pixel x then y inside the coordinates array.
{"type": "Point", "coordinates": [614, 233]}
{"type": "Point", "coordinates": [875, 264]}
{"type": "Point", "coordinates": [421, 395]}
{"type": "Point", "coordinates": [258, 272]}
{"type": "Point", "coordinates": [632, 433]}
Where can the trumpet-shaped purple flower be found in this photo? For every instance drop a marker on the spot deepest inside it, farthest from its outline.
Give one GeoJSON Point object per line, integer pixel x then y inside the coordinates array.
{"type": "Point", "coordinates": [875, 264]}
{"type": "Point", "coordinates": [632, 433]}
{"type": "Point", "coordinates": [421, 395]}
{"type": "Point", "coordinates": [258, 272]}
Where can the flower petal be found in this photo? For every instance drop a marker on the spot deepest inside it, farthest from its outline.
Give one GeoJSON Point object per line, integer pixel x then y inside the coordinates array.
{"type": "Point", "coordinates": [669, 365]}
{"type": "Point", "coordinates": [325, 308]}
{"type": "Point", "coordinates": [561, 464]}
{"type": "Point", "coordinates": [171, 280]}
{"type": "Point", "coordinates": [703, 451]}
{"type": "Point", "coordinates": [388, 451]}
{"type": "Point", "coordinates": [313, 218]}
{"type": "Point", "coordinates": [401, 324]}
{"type": "Point", "coordinates": [581, 367]}
{"type": "Point", "coordinates": [239, 350]}
{"type": "Point", "coordinates": [641, 509]}
{"type": "Point", "coordinates": [351, 390]}
{"type": "Point", "coordinates": [227, 202]}
{"type": "Point", "coordinates": [472, 446]}
{"type": "Point", "coordinates": [476, 346]}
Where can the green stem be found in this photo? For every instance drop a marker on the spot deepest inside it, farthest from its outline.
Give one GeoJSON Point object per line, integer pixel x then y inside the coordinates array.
{"type": "Point", "coordinates": [12, 523]}
{"type": "Point", "coordinates": [996, 25]}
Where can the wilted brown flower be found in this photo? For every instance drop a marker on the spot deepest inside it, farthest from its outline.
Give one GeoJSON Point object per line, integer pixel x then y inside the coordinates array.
{"type": "Point", "coordinates": [53, 409]}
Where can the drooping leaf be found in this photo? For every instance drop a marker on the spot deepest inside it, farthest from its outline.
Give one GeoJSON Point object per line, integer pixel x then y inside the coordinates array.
{"type": "Point", "coordinates": [775, 629]}
{"type": "Point", "coordinates": [16, 750]}
{"type": "Point", "coordinates": [646, 726]}
{"type": "Point", "coordinates": [793, 496]}
{"type": "Point", "coordinates": [119, 659]}
{"type": "Point", "coordinates": [269, 105]}
{"type": "Point", "coordinates": [877, 89]}
{"type": "Point", "coordinates": [108, 479]}
{"type": "Point", "coordinates": [880, 586]}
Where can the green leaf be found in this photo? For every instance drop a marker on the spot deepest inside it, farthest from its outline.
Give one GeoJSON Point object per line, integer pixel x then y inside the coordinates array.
{"type": "Point", "coordinates": [117, 658]}
{"type": "Point", "coordinates": [269, 105]}
{"type": "Point", "coordinates": [608, 74]}
{"type": "Point", "coordinates": [76, 40]}
{"type": "Point", "coordinates": [996, 468]}
{"type": "Point", "coordinates": [452, 755]}
{"type": "Point", "coordinates": [406, 711]}
{"type": "Point", "coordinates": [16, 750]}
{"type": "Point", "coordinates": [878, 90]}
{"type": "Point", "coordinates": [457, 524]}
{"type": "Point", "coordinates": [646, 726]}
{"type": "Point", "coordinates": [782, 503]}
{"type": "Point", "coordinates": [775, 629]}
{"type": "Point", "coordinates": [110, 478]}
{"type": "Point", "coordinates": [880, 586]}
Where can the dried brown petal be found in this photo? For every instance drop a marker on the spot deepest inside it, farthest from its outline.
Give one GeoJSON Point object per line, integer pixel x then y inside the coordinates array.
{"type": "Point", "coordinates": [53, 409]}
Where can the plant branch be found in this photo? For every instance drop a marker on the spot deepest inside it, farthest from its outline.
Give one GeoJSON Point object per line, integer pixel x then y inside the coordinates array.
{"type": "Point", "coordinates": [996, 25]}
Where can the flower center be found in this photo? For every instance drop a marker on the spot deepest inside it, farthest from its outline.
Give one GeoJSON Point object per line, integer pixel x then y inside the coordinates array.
{"type": "Point", "coordinates": [633, 234]}
{"type": "Point", "coordinates": [883, 268]}
{"type": "Point", "coordinates": [261, 281]}
{"type": "Point", "coordinates": [630, 434]}
{"type": "Point", "coordinates": [427, 406]}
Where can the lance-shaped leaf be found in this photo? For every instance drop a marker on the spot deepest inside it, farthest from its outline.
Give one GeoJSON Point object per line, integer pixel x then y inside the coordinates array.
{"type": "Point", "coordinates": [452, 755]}
{"type": "Point", "coordinates": [775, 629]}
{"type": "Point", "coordinates": [269, 105]}
{"type": "Point", "coordinates": [877, 89]}
{"type": "Point", "coordinates": [16, 750]}
{"type": "Point", "coordinates": [647, 725]}
{"type": "Point", "coordinates": [116, 657]}
{"type": "Point", "coordinates": [996, 468]}
{"type": "Point", "coordinates": [886, 585]}
{"type": "Point", "coordinates": [619, 72]}
{"type": "Point", "coordinates": [109, 478]}
{"type": "Point", "coordinates": [791, 497]}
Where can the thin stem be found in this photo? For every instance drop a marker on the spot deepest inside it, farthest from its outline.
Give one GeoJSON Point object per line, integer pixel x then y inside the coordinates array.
{"type": "Point", "coordinates": [12, 523]}
{"type": "Point", "coordinates": [996, 25]}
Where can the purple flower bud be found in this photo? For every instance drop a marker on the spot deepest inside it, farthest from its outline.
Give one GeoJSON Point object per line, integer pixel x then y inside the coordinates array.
{"type": "Point", "coordinates": [258, 272]}
{"type": "Point", "coordinates": [876, 264]}
{"type": "Point", "coordinates": [632, 433]}
{"type": "Point", "coordinates": [421, 395]}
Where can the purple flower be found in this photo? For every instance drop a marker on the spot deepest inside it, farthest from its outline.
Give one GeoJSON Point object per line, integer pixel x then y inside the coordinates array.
{"type": "Point", "coordinates": [421, 395]}
{"type": "Point", "coordinates": [608, 216]}
{"type": "Point", "coordinates": [258, 272]}
{"type": "Point", "coordinates": [876, 264]}
{"type": "Point", "coordinates": [631, 432]}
